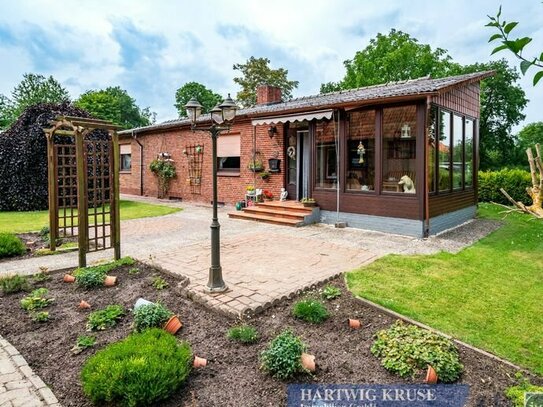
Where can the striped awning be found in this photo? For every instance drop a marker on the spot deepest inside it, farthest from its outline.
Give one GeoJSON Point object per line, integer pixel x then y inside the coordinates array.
{"type": "Point", "coordinates": [298, 117]}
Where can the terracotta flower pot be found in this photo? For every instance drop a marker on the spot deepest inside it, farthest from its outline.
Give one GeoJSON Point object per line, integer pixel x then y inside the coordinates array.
{"type": "Point", "coordinates": [354, 323]}
{"type": "Point", "coordinates": [84, 304]}
{"type": "Point", "coordinates": [68, 278]}
{"type": "Point", "coordinates": [110, 281]}
{"type": "Point", "coordinates": [308, 362]}
{"type": "Point", "coordinates": [173, 325]}
{"type": "Point", "coordinates": [199, 362]}
{"type": "Point", "coordinates": [431, 376]}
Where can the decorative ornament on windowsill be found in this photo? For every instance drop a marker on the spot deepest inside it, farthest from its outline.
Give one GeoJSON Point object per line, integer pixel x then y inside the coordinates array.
{"type": "Point", "coordinates": [406, 131]}
{"type": "Point", "coordinates": [361, 151]}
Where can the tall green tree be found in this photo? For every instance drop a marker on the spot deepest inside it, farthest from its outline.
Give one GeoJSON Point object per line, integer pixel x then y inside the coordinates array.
{"type": "Point", "coordinates": [530, 135]}
{"type": "Point", "coordinates": [255, 72]}
{"type": "Point", "coordinates": [502, 103]}
{"type": "Point", "coordinates": [393, 57]}
{"type": "Point", "coordinates": [398, 56]}
{"type": "Point", "coordinates": [116, 105]}
{"type": "Point", "coordinates": [516, 46]}
{"type": "Point", "coordinates": [33, 89]}
{"type": "Point", "coordinates": [207, 98]}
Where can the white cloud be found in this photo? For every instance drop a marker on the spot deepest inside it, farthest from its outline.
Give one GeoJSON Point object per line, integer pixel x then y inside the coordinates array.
{"type": "Point", "coordinates": [309, 38]}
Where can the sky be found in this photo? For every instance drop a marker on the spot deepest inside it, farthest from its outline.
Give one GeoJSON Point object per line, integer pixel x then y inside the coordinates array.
{"type": "Point", "coordinates": [151, 48]}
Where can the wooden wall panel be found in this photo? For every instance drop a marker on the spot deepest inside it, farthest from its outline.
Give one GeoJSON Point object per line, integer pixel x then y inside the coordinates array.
{"type": "Point", "coordinates": [440, 204]}
{"type": "Point", "coordinates": [463, 100]}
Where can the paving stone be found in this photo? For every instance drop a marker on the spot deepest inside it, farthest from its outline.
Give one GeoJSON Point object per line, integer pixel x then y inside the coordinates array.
{"type": "Point", "coordinates": [18, 360]}
{"type": "Point", "coordinates": [47, 395]}
{"type": "Point", "coordinates": [18, 384]}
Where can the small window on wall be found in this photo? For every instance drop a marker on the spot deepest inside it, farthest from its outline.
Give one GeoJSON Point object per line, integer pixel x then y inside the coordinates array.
{"type": "Point", "coordinates": [228, 154]}
{"type": "Point", "coordinates": [457, 152]}
{"type": "Point", "coordinates": [326, 164]}
{"type": "Point", "coordinates": [468, 153]}
{"type": "Point", "coordinates": [432, 149]}
{"type": "Point", "coordinates": [126, 157]}
{"type": "Point", "coordinates": [444, 175]}
{"type": "Point", "coordinates": [361, 151]}
{"type": "Point", "coordinates": [399, 149]}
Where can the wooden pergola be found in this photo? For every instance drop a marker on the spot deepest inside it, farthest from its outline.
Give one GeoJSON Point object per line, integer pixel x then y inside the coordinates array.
{"type": "Point", "coordinates": [83, 181]}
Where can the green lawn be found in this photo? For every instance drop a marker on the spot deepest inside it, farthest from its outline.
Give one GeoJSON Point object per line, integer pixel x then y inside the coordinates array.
{"type": "Point", "coordinates": [20, 222]}
{"type": "Point", "coordinates": [489, 295]}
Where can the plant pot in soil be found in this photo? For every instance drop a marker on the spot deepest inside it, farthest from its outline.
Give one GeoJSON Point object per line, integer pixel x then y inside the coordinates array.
{"type": "Point", "coordinates": [308, 362]}
{"type": "Point", "coordinates": [110, 281]}
{"type": "Point", "coordinates": [84, 304]}
{"type": "Point", "coordinates": [68, 278]}
{"type": "Point", "coordinates": [431, 376]}
{"type": "Point", "coordinates": [199, 362]}
{"type": "Point", "coordinates": [173, 325]}
{"type": "Point", "coordinates": [354, 323]}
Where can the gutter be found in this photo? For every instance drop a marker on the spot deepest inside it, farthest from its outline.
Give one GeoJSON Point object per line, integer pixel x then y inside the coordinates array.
{"type": "Point", "coordinates": [135, 137]}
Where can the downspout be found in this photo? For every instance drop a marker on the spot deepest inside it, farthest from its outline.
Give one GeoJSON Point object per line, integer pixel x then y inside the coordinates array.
{"type": "Point", "coordinates": [254, 158]}
{"type": "Point", "coordinates": [135, 137]}
{"type": "Point", "coordinates": [426, 221]}
{"type": "Point", "coordinates": [338, 172]}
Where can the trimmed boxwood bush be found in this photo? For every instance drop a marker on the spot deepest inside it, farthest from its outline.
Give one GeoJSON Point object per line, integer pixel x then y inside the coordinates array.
{"type": "Point", "coordinates": [140, 370]}
{"type": "Point", "coordinates": [11, 245]}
{"type": "Point", "coordinates": [405, 349]}
{"type": "Point", "coordinates": [514, 182]}
{"type": "Point", "coordinates": [309, 310]}
{"type": "Point", "coordinates": [282, 357]}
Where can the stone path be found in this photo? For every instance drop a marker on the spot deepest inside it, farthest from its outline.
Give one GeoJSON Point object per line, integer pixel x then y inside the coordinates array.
{"type": "Point", "coordinates": [19, 386]}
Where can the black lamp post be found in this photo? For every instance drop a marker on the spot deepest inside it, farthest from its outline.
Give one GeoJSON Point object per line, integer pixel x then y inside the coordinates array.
{"type": "Point", "coordinates": [221, 118]}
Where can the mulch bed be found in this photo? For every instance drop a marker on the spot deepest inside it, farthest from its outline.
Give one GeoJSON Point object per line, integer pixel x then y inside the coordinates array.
{"type": "Point", "coordinates": [232, 377]}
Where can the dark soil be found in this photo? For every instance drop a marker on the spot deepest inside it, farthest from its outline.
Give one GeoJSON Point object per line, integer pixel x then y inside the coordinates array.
{"type": "Point", "coordinates": [232, 376]}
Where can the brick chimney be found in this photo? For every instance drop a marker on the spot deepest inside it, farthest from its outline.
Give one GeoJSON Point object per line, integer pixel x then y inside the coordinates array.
{"type": "Point", "coordinates": [267, 95]}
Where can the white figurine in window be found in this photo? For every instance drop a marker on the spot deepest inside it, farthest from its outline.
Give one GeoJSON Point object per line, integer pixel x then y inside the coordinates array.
{"type": "Point", "coordinates": [408, 184]}
{"type": "Point", "coordinates": [284, 194]}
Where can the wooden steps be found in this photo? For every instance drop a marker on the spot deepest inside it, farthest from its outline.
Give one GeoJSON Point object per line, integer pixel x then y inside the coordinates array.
{"type": "Point", "coordinates": [287, 213]}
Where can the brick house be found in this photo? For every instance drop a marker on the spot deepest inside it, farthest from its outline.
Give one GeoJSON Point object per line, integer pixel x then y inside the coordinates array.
{"type": "Point", "coordinates": [399, 157]}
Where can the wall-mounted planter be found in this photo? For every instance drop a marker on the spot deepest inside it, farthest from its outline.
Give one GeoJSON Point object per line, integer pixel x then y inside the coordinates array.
{"type": "Point", "coordinates": [68, 278]}
{"type": "Point", "coordinates": [308, 362]}
{"type": "Point", "coordinates": [173, 325]}
{"type": "Point", "coordinates": [274, 164]}
{"type": "Point", "coordinates": [431, 376]}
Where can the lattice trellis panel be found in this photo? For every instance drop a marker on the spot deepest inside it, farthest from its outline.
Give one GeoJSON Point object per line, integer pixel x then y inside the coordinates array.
{"type": "Point", "coordinates": [66, 174]}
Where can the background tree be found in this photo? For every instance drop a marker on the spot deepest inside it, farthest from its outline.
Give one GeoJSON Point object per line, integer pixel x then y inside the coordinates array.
{"type": "Point", "coordinates": [256, 71]}
{"type": "Point", "coordinates": [207, 98]}
{"type": "Point", "coordinates": [516, 46]}
{"type": "Point", "coordinates": [398, 56]}
{"type": "Point", "coordinates": [530, 135]}
{"type": "Point", "coordinates": [393, 57]}
{"type": "Point", "coordinates": [33, 89]}
{"type": "Point", "coordinates": [116, 105]}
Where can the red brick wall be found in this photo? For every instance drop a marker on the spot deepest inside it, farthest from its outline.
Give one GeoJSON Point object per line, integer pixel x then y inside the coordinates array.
{"type": "Point", "coordinates": [463, 100]}
{"type": "Point", "coordinates": [266, 94]}
{"type": "Point", "coordinates": [231, 188]}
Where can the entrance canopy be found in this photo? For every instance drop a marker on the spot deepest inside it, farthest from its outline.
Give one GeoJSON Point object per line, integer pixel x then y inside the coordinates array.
{"type": "Point", "coordinates": [298, 117]}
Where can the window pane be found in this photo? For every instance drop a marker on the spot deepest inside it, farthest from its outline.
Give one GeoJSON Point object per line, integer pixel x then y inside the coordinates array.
{"type": "Point", "coordinates": [326, 173]}
{"type": "Point", "coordinates": [458, 152]}
{"type": "Point", "coordinates": [432, 151]}
{"type": "Point", "coordinates": [399, 149]}
{"type": "Point", "coordinates": [126, 162]}
{"type": "Point", "coordinates": [468, 162]}
{"type": "Point", "coordinates": [228, 164]}
{"type": "Point", "coordinates": [361, 151]}
{"type": "Point", "coordinates": [444, 151]}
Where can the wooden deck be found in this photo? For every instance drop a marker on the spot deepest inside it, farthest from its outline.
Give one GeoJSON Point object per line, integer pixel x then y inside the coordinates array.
{"type": "Point", "coordinates": [286, 213]}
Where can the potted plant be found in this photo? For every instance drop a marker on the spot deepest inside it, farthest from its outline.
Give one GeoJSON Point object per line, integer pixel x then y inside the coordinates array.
{"type": "Point", "coordinates": [250, 190]}
{"type": "Point", "coordinates": [308, 202]}
{"type": "Point", "coordinates": [255, 165]}
{"type": "Point", "coordinates": [268, 196]}
{"type": "Point", "coordinates": [265, 175]}
{"type": "Point", "coordinates": [274, 162]}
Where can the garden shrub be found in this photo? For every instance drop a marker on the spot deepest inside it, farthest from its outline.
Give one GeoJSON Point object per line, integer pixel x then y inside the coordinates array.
{"type": "Point", "coordinates": [37, 299]}
{"type": "Point", "coordinates": [140, 370]}
{"type": "Point", "coordinates": [93, 276]}
{"type": "Point", "coordinates": [513, 181]}
{"type": "Point", "coordinates": [41, 316]}
{"type": "Point", "coordinates": [159, 283]}
{"type": "Point", "coordinates": [11, 245]}
{"type": "Point", "coordinates": [282, 357]}
{"type": "Point", "coordinates": [404, 349]}
{"type": "Point", "coordinates": [23, 154]}
{"type": "Point", "coordinates": [13, 284]}
{"type": "Point", "coordinates": [105, 318]}
{"type": "Point", "coordinates": [243, 333]}
{"type": "Point", "coordinates": [151, 316]}
{"type": "Point", "coordinates": [83, 342]}
{"type": "Point", "coordinates": [309, 310]}
{"type": "Point", "coordinates": [330, 292]}
{"type": "Point", "coordinates": [516, 393]}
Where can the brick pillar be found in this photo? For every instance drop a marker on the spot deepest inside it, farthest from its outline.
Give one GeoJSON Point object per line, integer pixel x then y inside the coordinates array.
{"type": "Point", "coordinates": [267, 95]}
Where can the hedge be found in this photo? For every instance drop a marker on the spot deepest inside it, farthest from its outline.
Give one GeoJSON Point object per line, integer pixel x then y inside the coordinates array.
{"type": "Point", "coordinates": [514, 182]}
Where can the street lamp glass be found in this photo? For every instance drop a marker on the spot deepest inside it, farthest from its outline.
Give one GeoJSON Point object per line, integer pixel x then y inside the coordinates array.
{"type": "Point", "coordinates": [229, 109]}
{"type": "Point", "coordinates": [194, 109]}
{"type": "Point", "coordinates": [217, 115]}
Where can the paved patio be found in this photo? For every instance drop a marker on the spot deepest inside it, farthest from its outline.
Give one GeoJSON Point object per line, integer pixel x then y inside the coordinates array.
{"type": "Point", "coordinates": [261, 263]}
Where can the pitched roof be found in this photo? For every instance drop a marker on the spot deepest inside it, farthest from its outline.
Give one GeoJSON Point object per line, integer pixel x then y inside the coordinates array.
{"type": "Point", "coordinates": [413, 87]}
